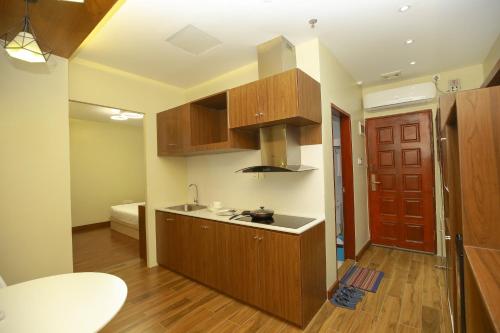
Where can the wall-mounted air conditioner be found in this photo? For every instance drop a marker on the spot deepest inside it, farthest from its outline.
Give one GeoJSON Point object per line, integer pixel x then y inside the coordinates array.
{"type": "Point", "coordinates": [397, 97]}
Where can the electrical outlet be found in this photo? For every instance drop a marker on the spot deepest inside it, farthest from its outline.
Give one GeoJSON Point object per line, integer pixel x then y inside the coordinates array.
{"type": "Point", "coordinates": [454, 85]}
{"type": "Point", "coordinates": [257, 175]}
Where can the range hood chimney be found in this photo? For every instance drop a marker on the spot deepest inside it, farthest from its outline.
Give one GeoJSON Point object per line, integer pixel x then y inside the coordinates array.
{"type": "Point", "coordinates": [279, 144]}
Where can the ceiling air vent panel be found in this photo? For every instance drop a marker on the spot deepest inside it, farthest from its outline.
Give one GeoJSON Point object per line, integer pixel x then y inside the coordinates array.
{"type": "Point", "coordinates": [193, 40]}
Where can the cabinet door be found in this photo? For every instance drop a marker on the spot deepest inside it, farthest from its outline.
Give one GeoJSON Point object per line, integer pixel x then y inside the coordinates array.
{"type": "Point", "coordinates": [279, 273]}
{"type": "Point", "coordinates": [243, 105]}
{"type": "Point", "coordinates": [309, 97]}
{"type": "Point", "coordinates": [203, 251]}
{"type": "Point", "coordinates": [169, 240]}
{"type": "Point", "coordinates": [237, 262]}
{"type": "Point", "coordinates": [172, 130]}
{"type": "Point", "coordinates": [282, 100]}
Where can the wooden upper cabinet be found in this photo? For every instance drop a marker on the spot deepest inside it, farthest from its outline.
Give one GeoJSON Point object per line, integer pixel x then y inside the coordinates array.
{"type": "Point", "coordinates": [291, 97]}
{"type": "Point", "coordinates": [243, 105]}
{"type": "Point", "coordinates": [201, 126]}
{"type": "Point", "coordinates": [172, 130]}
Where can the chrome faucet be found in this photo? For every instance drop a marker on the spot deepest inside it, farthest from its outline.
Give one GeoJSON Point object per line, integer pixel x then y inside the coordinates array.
{"type": "Point", "coordinates": [196, 197]}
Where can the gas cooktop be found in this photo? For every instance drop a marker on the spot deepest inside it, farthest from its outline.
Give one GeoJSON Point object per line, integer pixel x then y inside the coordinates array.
{"type": "Point", "coordinates": [285, 221]}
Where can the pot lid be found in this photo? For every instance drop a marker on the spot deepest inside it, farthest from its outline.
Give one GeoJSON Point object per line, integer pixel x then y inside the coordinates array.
{"type": "Point", "coordinates": [262, 211]}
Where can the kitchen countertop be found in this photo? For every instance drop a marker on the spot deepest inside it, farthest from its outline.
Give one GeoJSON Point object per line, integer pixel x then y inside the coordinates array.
{"type": "Point", "coordinates": [209, 215]}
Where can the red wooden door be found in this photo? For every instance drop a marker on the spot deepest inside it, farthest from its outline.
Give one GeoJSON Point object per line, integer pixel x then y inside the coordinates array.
{"type": "Point", "coordinates": [401, 181]}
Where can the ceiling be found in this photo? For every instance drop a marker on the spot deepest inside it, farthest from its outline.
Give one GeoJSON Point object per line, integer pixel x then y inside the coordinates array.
{"type": "Point", "coordinates": [98, 113]}
{"type": "Point", "coordinates": [61, 26]}
{"type": "Point", "coordinates": [368, 37]}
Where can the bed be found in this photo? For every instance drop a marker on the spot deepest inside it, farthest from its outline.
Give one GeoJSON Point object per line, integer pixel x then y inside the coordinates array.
{"type": "Point", "coordinates": [125, 219]}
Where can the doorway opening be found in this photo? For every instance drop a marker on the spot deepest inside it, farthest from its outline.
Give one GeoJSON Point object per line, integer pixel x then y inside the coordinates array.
{"type": "Point", "coordinates": [344, 187]}
{"type": "Point", "coordinates": [108, 186]}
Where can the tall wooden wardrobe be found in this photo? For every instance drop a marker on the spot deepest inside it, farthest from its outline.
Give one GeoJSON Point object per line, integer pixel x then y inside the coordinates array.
{"type": "Point", "coordinates": [469, 135]}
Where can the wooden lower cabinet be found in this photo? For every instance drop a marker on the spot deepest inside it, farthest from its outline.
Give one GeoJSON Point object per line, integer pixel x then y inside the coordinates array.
{"type": "Point", "coordinates": [280, 273]}
{"type": "Point", "coordinates": [237, 262]}
{"type": "Point", "coordinates": [169, 242]}
{"type": "Point", "coordinates": [202, 251]}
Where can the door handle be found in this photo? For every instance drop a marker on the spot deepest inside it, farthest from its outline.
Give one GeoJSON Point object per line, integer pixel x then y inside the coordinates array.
{"type": "Point", "coordinates": [374, 182]}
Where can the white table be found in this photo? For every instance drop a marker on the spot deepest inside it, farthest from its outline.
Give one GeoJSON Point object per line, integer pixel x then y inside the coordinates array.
{"type": "Point", "coordinates": [75, 302]}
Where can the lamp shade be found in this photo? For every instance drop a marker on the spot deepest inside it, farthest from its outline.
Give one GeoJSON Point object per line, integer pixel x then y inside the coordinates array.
{"type": "Point", "coordinates": [25, 47]}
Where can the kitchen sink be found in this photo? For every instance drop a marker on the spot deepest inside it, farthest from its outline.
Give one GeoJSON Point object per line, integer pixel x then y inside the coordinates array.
{"type": "Point", "coordinates": [187, 207]}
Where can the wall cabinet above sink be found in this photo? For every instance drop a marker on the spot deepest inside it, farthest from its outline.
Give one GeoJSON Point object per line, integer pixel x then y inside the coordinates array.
{"type": "Point", "coordinates": [227, 121]}
{"type": "Point", "coordinates": [200, 126]}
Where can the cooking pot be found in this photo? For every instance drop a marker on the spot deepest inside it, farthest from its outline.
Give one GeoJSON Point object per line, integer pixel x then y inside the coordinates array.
{"type": "Point", "coordinates": [256, 215]}
{"type": "Point", "coordinates": [261, 214]}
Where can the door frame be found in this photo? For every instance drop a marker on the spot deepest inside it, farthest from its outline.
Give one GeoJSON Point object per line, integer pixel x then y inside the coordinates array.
{"type": "Point", "coordinates": [347, 181]}
{"type": "Point", "coordinates": [433, 137]}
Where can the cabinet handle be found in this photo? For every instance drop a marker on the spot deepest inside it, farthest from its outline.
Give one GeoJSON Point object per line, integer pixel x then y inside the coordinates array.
{"type": "Point", "coordinates": [256, 237]}
{"type": "Point", "coordinates": [204, 227]}
{"type": "Point", "coordinates": [261, 238]}
{"type": "Point", "coordinates": [261, 114]}
{"type": "Point", "coordinates": [169, 219]}
{"type": "Point", "coordinates": [256, 114]}
{"type": "Point", "coordinates": [447, 237]}
{"type": "Point", "coordinates": [442, 139]}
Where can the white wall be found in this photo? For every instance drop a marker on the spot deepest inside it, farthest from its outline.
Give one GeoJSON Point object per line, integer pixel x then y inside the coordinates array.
{"type": "Point", "coordinates": [338, 87]}
{"type": "Point", "coordinates": [107, 168]}
{"type": "Point", "coordinates": [289, 193]}
{"type": "Point", "coordinates": [492, 58]}
{"type": "Point", "coordinates": [35, 215]}
{"type": "Point", "coordinates": [165, 176]}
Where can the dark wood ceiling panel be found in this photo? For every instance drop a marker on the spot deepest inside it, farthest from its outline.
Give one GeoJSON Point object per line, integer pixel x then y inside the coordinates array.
{"type": "Point", "coordinates": [61, 26]}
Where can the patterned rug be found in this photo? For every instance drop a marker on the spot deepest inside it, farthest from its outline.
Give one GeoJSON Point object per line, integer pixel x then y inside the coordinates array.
{"type": "Point", "coordinates": [362, 278]}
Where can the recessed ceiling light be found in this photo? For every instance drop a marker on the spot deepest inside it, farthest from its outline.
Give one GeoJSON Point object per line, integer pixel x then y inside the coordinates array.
{"type": "Point", "coordinates": [404, 8]}
{"type": "Point", "coordinates": [359, 83]}
{"type": "Point", "coordinates": [409, 41]}
{"type": "Point", "coordinates": [119, 117]}
{"type": "Point", "coordinates": [413, 62]}
{"type": "Point", "coordinates": [133, 115]}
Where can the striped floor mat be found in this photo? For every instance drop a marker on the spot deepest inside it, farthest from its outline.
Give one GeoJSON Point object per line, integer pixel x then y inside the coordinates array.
{"type": "Point", "coordinates": [362, 278]}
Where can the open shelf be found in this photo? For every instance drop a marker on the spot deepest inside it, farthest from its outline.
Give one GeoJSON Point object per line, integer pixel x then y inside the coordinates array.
{"type": "Point", "coordinates": [208, 118]}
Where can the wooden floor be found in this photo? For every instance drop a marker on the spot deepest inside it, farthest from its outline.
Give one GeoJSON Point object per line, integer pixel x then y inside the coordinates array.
{"type": "Point", "coordinates": [411, 298]}
{"type": "Point", "coordinates": [98, 249]}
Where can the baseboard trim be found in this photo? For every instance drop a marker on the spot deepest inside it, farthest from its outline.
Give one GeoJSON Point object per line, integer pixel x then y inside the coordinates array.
{"type": "Point", "coordinates": [363, 250]}
{"type": "Point", "coordinates": [91, 226]}
{"type": "Point", "coordinates": [332, 289]}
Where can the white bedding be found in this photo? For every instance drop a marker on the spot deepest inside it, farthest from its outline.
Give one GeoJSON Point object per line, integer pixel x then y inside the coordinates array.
{"type": "Point", "coordinates": [128, 213]}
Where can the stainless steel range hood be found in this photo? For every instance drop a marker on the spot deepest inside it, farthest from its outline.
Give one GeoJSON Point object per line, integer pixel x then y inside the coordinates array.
{"type": "Point", "coordinates": [279, 150]}
{"type": "Point", "coordinates": [279, 144]}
